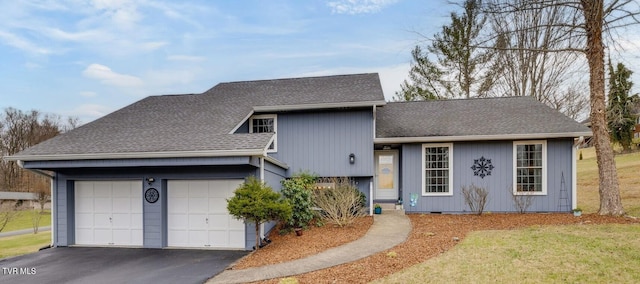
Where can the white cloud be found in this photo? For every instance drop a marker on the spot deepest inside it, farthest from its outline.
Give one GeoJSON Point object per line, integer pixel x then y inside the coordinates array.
{"type": "Point", "coordinates": [359, 6]}
{"type": "Point", "coordinates": [191, 58]}
{"type": "Point", "coordinates": [108, 77]}
{"type": "Point", "coordinates": [21, 43]}
{"type": "Point", "coordinates": [88, 94]}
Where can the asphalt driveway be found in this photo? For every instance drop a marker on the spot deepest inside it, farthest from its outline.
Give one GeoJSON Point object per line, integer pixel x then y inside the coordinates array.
{"type": "Point", "coordinates": [116, 265]}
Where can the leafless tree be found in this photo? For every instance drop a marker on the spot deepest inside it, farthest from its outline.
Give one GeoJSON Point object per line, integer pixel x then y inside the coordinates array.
{"type": "Point", "coordinates": [581, 29]}
{"type": "Point", "coordinates": [522, 63]}
{"type": "Point", "coordinates": [18, 131]}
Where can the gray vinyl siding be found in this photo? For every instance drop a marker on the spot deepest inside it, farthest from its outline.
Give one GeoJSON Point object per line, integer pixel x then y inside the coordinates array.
{"type": "Point", "coordinates": [154, 215]}
{"type": "Point", "coordinates": [321, 142]}
{"type": "Point", "coordinates": [272, 177]}
{"type": "Point", "coordinates": [499, 183]}
{"type": "Point", "coordinates": [364, 184]}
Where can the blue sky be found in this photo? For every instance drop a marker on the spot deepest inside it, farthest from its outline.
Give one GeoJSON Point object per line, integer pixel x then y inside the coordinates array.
{"type": "Point", "coordinates": [89, 58]}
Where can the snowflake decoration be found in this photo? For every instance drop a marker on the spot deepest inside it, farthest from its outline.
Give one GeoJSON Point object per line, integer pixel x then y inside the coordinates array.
{"type": "Point", "coordinates": [482, 167]}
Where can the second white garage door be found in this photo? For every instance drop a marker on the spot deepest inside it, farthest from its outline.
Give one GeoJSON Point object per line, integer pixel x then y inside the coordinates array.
{"type": "Point", "coordinates": [198, 216]}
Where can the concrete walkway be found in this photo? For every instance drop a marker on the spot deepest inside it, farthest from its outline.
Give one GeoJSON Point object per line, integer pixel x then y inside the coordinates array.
{"type": "Point", "coordinates": [389, 229]}
{"type": "Point", "coordinates": [24, 232]}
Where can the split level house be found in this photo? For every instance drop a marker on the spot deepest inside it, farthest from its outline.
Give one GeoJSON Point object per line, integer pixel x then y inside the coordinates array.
{"type": "Point", "coordinates": [157, 173]}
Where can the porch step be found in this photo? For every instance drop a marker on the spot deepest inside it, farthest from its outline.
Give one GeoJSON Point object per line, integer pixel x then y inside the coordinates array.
{"type": "Point", "coordinates": [387, 206]}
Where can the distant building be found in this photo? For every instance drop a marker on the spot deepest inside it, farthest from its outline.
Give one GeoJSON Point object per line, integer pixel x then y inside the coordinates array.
{"type": "Point", "coordinates": [24, 199]}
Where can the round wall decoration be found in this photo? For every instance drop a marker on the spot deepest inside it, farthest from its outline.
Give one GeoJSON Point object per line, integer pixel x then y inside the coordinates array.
{"type": "Point", "coordinates": [151, 195]}
{"type": "Point", "coordinates": [482, 167]}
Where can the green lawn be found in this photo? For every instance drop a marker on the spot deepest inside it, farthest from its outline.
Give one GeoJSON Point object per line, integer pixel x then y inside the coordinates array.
{"type": "Point", "coordinates": [23, 244]}
{"type": "Point", "coordinates": [558, 254]}
{"type": "Point", "coordinates": [24, 220]}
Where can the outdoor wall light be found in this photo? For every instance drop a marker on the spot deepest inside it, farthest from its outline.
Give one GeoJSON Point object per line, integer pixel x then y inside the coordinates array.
{"type": "Point", "coordinates": [150, 180]}
{"type": "Point", "coordinates": [352, 158]}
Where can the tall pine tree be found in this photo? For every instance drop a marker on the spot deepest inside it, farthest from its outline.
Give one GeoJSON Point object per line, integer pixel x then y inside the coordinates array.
{"type": "Point", "coordinates": [620, 116]}
{"type": "Point", "coordinates": [458, 67]}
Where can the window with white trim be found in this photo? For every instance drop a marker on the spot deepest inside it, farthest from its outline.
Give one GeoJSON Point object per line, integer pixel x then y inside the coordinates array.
{"type": "Point", "coordinates": [437, 171]}
{"type": "Point", "coordinates": [265, 123]}
{"type": "Point", "coordinates": [529, 167]}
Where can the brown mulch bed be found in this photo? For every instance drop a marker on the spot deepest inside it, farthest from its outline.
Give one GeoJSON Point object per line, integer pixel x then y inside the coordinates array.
{"type": "Point", "coordinates": [313, 240]}
{"type": "Point", "coordinates": [431, 236]}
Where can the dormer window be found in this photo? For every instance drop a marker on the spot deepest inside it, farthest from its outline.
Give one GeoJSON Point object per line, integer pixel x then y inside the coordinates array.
{"type": "Point", "coordinates": [265, 123]}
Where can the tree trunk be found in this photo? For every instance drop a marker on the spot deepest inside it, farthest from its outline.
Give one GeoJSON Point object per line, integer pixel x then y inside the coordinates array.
{"type": "Point", "coordinates": [257, 235]}
{"type": "Point", "coordinates": [609, 189]}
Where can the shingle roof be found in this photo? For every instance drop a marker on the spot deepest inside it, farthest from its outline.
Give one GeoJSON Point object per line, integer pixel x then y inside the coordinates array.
{"type": "Point", "coordinates": [174, 123]}
{"type": "Point", "coordinates": [472, 117]}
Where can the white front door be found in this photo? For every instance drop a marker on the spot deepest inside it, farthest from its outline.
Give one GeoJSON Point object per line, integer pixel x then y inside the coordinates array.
{"type": "Point", "coordinates": [386, 179]}
{"type": "Point", "coordinates": [198, 216]}
{"type": "Point", "coordinates": [108, 213]}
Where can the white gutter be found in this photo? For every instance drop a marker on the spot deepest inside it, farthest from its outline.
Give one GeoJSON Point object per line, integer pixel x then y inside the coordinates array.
{"type": "Point", "coordinates": [138, 155]}
{"type": "Point", "coordinates": [54, 213]}
{"type": "Point", "coordinates": [318, 106]}
{"type": "Point", "coordinates": [574, 173]}
{"type": "Point", "coordinates": [527, 136]}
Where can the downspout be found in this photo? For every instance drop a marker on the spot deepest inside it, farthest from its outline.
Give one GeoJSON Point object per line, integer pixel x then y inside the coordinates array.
{"type": "Point", "coordinates": [574, 173]}
{"type": "Point", "coordinates": [54, 213]}
{"type": "Point", "coordinates": [262, 180]}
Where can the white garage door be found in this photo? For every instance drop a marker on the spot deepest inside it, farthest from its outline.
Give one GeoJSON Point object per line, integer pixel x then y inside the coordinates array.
{"type": "Point", "coordinates": [198, 216]}
{"type": "Point", "coordinates": [108, 213]}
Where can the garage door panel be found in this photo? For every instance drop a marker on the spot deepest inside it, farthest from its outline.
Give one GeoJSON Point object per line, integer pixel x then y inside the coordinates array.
{"type": "Point", "coordinates": [198, 205]}
{"type": "Point", "coordinates": [217, 222]}
{"type": "Point", "coordinates": [180, 238]}
{"type": "Point", "coordinates": [197, 221]}
{"type": "Point", "coordinates": [178, 221]}
{"type": "Point", "coordinates": [198, 238]}
{"type": "Point", "coordinates": [102, 189]}
{"type": "Point", "coordinates": [209, 221]}
{"type": "Point", "coordinates": [121, 204]}
{"type": "Point", "coordinates": [102, 205]}
{"type": "Point", "coordinates": [179, 205]}
{"type": "Point", "coordinates": [108, 213]}
{"type": "Point", "coordinates": [219, 238]}
{"type": "Point", "coordinates": [198, 189]}
{"type": "Point", "coordinates": [84, 220]}
{"type": "Point", "coordinates": [84, 236]}
{"type": "Point", "coordinates": [84, 205]}
{"type": "Point", "coordinates": [101, 220]}
{"type": "Point", "coordinates": [102, 236]}
{"type": "Point", "coordinates": [218, 205]}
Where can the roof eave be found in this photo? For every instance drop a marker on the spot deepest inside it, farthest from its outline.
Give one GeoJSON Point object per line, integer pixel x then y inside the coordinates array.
{"type": "Point", "coordinates": [318, 106]}
{"type": "Point", "coordinates": [394, 140]}
{"type": "Point", "coordinates": [136, 155]}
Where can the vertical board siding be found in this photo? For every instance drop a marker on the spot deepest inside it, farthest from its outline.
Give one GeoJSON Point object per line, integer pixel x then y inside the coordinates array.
{"type": "Point", "coordinates": [321, 142]}
{"type": "Point", "coordinates": [499, 184]}
{"type": "Point", "coordinates": [272, 176]}
{"type": "Point", "coordinates": [153, 216]}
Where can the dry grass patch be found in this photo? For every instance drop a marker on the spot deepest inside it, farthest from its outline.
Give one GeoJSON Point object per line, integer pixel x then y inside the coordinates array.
{"type": "Point", "coordinates": [565, 254]}
{"type": "Point", "coordinates": [628, 166]}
